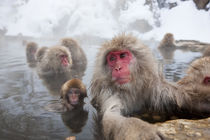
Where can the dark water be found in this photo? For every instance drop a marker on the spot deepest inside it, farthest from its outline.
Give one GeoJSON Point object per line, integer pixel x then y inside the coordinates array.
{"type": "Point", "coordinates": [23, 96]}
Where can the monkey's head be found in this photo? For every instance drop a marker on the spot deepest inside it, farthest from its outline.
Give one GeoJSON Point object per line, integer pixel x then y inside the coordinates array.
{"type": "Point", "coordinates": [31, 48]}
{"type": "Point", "coordinates": [40, 53]}
{"type": "Point", "coordinates": [168, 41]}
{"type": "Point", "coordinates": [199, 73]}
{"type": "Point", "coordinates": [124, 61]}
{"type": "Point", "coordinates": [58, 58]}
{"type": "Point", "coordinates": [69, 42]}
{"type": "Point", "coordinates": [73, 92]}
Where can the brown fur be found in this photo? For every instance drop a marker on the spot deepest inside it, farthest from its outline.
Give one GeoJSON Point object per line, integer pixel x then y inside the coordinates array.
{"type": "Point", "coordinates": [73, 83]}
{"type": "Point", "coordinates": [31, 49]}
{"type": "Point", "coordinates": [78, 56]}
{"type": "Point", "coordinates": [148, 90]}
{"type": "Point", "coordinates": [201, 4]}
{"type": "Point", "coordinates": [206, 52]}
{"type": "Point", "coordinates": [167, 41]}
{"type": "Point", "coordinates": [196, 73]}
{"type": "Point", "coordinates": [40, 53]}
{"type": "Point", "coordinates": [51, 63]}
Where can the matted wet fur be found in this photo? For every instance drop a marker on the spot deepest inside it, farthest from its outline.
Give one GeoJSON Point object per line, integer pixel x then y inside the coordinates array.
{"type": "Point", "coordinates": [147, 90]}
{"type": "Point", "coordinates": [51, 63]}
{"type": "Point", "coordinates": [79, 60]}
{"type": "Point", "coordinates": [31, 49]}
{"type": "Point", "coordinates": [73, 83]}
{"type": "Point", "coordinates": [197, 71]}
{"type": "Point", "coordinates": [40, 53]}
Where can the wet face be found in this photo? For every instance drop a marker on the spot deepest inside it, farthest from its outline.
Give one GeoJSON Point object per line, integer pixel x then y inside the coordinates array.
{"type": "Point", "coordinates": [64, 60]}
{"type": "Point", "coordinates": [119, 64]}
{"type": "Point", "coordinates": [73, 96]}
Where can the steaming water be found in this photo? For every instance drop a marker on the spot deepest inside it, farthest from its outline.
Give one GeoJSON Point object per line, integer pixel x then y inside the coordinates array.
{"type": "Point", "coordinates": [23, 96]}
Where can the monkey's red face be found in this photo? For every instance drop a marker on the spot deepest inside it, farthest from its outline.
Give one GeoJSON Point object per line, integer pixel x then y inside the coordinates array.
{"type": "Point", "coordinates": [73, 96]}
{"type": "Point", "coordinates": [206, 80]}
{"type": "Point", "coordinates": [119, 62]}
{"type": "Point", "coordinates": [64, 60]}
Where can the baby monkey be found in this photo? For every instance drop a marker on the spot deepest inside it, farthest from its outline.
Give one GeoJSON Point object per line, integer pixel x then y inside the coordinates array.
{"type": "Point", "coordinates": [73, 93]}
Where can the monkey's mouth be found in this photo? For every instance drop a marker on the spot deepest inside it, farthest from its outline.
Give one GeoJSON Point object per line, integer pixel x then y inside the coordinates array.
{"type": "Point", "coordinates": [122, 80]}
{"type": "Point", "coordinates": [74, 101]}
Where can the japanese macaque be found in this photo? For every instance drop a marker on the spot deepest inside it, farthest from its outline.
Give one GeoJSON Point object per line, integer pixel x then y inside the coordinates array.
{"type": "Point", "coordinates": [206, 52]}
{"type": "Point", "coordinates": [167, 41]}
{"type": "Point", "coordinates": [31, 49]}
{"type": "Point", "coordinates": [73, 93]}
{"type": "Point", "coordinates": [79, 60]}
{"type": "Point", "coordinates": [167, 46]}
{"type": "Point", "coordinates": [40, 53]}
{"type": "Point", "coordinates": [170, 44]}
{"type": "Point", "coordinates": [198, 77]}
{"type": "Point", "coordinates": [126, 79]}
{"type": "Point", "coordinates": [56, 60]}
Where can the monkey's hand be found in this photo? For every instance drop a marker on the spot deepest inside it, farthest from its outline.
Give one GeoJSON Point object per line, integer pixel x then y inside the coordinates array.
{"type": "Point", "coordinates": [136, 129]}
{"type": "Point", "coordinates": [120, 127]}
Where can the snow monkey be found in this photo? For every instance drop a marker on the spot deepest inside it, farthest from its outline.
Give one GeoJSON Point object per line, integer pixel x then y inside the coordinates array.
{"type": "Point", "coordinates": [31, 49]}
{"type": "Point", "coordinates": [79, 60]}
{"type": "Point", "coordinates": [56, 60]}
{"type": "Point", "coordinates": [72, 93]}
{"type": "Point", "coordinates": [126, 79]}
{"type": "Point", "coordinates": [40, 53]}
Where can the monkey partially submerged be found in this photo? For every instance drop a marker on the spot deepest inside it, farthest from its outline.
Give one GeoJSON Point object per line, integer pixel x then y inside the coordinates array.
{"type": "Point", "coordinates": [31, 49]}
{"type": "Point", "coordinates": [73, 93]}
{"type": "Point", "coordinates": [198, 77]}
{"type": "Point", "coordinates": [56, 60]}
{"type": "Point", "coordinates": [127, 79]}
{"type": "Point", "coordinates": [79, 60]}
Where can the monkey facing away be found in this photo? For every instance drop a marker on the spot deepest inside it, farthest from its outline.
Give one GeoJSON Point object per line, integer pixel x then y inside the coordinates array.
{"type": "Point", "coordinates": [126, 79]}
{"type": "Point", "coordinates": [79, 60]}
{"type": "Point", "coordinates": [31, 49]}
{"type": "Point", "coordinates": [73, 93]}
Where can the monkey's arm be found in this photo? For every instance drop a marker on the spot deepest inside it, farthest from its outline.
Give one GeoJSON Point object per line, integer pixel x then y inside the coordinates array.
{"type": "Point", "coordinates": [118, 127]}
{"type": "Point", "coordinates": [174, 96]}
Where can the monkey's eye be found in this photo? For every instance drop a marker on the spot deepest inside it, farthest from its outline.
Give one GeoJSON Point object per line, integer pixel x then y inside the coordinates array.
{"type": "Point", "coordinates": [112, 58]}
{"type": "Point", "coordinates": [206, 81]}
{"type": "Point", "coordinates": [123, 55]}
{"type": "Point", "coordinates": [63, 56]}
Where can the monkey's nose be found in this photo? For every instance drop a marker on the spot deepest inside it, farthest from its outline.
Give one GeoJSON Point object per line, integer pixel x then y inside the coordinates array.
{"type": "Point", "coordinates": [118, 68]}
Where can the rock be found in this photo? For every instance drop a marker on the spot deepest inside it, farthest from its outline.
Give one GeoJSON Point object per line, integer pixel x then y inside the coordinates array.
{"type": "Point", "coordinates": [182, 129]}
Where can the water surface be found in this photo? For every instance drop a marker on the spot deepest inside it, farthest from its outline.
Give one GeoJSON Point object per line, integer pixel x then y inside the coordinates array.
{"type": "Point", "coordinates": [23, 96]}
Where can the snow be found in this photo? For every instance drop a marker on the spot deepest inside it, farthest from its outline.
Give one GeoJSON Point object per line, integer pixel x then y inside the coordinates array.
{"type": "Point", "coordinates": [102, 18]}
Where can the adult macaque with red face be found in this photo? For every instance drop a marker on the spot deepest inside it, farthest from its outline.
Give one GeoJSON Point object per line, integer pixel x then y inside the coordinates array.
{"type": "Point", "coordinates": [56, 60]}
{"type": "Point", "coordinates": [126, 79]}
{"type": "Point", "coordinates": [73, 93]}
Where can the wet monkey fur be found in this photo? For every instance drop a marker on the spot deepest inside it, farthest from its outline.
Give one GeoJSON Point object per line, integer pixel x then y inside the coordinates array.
{"type": "Point", "coordinates": [56, 60]}
{"type": "Point", "coordinates": [31, 49]}
{"type": "Point", "coordinates": [72, 93]}
{"type": "Point", "coordinates": [126, 79]}
{"type": "Point", "coordinates": [79, 60]}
